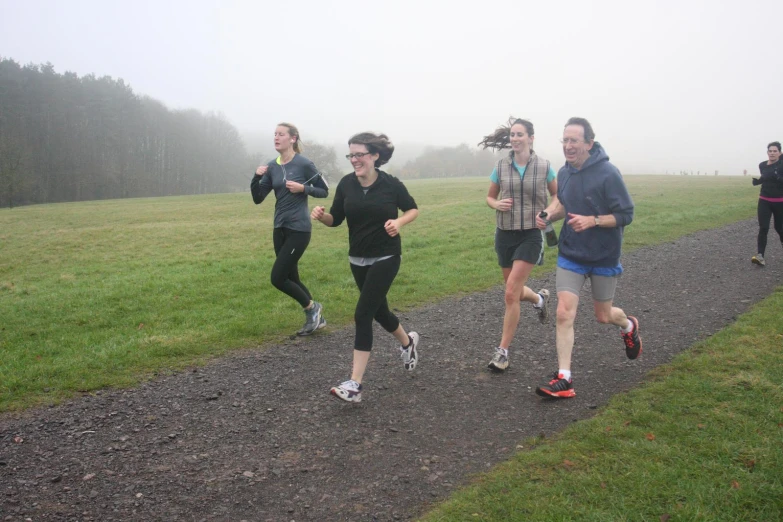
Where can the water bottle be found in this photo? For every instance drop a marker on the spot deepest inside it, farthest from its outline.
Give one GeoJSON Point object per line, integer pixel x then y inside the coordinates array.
{"type": "Point", "coordinates": [549, 231]}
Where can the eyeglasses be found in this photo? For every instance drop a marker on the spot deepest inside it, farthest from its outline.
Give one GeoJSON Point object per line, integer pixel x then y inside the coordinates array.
{"type": "Point", "coordinates": [570, 141]}
{"type": "Point", "coordinates": [357, 155]}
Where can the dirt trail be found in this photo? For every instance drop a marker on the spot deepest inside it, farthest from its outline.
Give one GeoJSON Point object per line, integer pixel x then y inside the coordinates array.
{"type": "Point", "coordinates": [255, 436]}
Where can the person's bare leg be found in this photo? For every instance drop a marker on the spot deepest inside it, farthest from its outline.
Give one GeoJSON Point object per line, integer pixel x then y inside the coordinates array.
{"type": "Point", "coordinates": [516, 291]}
{"type": "Point", "coordinates": [401, 335]}
{"type": "Point", "coordinates": [605, 313]}
{"type": "Point", "coordinates": [360, 360]}
{"type": "Point", "coordinates": [567, 304]}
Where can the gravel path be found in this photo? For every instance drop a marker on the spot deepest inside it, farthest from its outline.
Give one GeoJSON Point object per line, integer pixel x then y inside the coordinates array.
{"type": "Point", "coordinates": [255, 436]}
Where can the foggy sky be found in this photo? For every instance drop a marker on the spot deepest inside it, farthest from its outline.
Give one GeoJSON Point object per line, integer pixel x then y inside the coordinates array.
{"type": "Point", "coordinates": [667, 85]}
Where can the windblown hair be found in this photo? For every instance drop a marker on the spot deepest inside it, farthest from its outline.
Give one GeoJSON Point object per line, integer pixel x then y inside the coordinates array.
{"type": "Point", "coordinates": [774, 144]}
{"type": "Point", "coordinates": [376, 144]}
{"type": "Point", "coordinates": [500, 139]}
{"type": "Point", "coordinates": [589, 134]}
{"type": "Point", "coordinates": [294, 132]}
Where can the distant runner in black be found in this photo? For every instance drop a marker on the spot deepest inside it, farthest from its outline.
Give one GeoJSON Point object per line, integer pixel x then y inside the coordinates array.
{"type": "Point", "coordinates": [770, 199]}
{"type": "Point", "coordinates": [292, 177]}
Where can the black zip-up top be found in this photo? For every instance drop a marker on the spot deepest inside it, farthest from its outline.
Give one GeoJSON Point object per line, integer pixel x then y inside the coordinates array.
{"type": "Point", "coordinates": [771, 179]}
{"type": "Point", "coordinates": [368, 213]}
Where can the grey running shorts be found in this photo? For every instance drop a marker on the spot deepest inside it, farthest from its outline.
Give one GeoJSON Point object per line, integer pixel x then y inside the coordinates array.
{"type": "Point", "coordinates": [603, 287]}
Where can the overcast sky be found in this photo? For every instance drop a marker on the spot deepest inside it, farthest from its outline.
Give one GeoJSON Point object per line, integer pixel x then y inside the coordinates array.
{"type": "Point", "coordinates": [667, 85]}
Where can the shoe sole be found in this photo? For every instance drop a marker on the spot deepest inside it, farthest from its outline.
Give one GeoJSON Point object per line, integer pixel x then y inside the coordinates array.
{"type": "Point", "coordinates": [410, 366]}
{"type": "Point", "coordinates": [757, 262]}
{"type": "Point", "coordinates": [544, 319]}
{"type": "Point", "coordinates": [496, 369]}
{"type": "Point", "coordinates": [568, 394]}
{"type": "Point", "coordinates": [335, 394]}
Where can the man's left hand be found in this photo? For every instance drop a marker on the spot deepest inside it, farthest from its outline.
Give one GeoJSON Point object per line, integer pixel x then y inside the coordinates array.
{"type": "Point", "coordinates": [580, 223]}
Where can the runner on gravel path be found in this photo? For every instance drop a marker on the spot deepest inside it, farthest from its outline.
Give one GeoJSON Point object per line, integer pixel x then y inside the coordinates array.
{"type": "Point", "coordinates": [593, 197]}
{"type": "Point", "coordinates": [518, 192]}
{"type": "Point", "coordinates": [368, 199]}
{"type": "Point", "coordinates": [770, 199]}
{"type": "Point", "coordinates": [292, 177]}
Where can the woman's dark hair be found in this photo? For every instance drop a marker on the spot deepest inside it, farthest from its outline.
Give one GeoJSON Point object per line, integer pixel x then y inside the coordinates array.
{"type": "Point", "coordinates": [294, 132]}
{"type": "Point", "coordinates": [376, 144]}
{"type": "Point", "coordinates": [589, 134]}
{"type": "Point", "coordinates": [774, 144]}
{"type": "Point", "coordinates": [500, 139]}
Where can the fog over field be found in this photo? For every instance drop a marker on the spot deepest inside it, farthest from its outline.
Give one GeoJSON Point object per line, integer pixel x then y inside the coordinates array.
{"type": "Point", "coordinates": [668, 86]}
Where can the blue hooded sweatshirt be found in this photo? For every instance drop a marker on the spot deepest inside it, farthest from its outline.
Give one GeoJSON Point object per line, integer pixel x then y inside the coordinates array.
{"type": "Point", "coordinates": [597, 189]}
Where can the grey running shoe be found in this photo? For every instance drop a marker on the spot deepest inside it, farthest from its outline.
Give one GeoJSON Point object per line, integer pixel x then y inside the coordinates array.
{"type": "Point", "coordinates": [543, 312]}
{"type": "Point", "coordinates": [410, 355]}
{"type": "Point", "coordinates": [312, 320]}
{"type": "Point", "coordinates": [349, 391]}
{"type": "Point", "coordinates": [499, 361]}
{"type": "Point", "coordinates": [758, 259]}
{"type": "Point", "coordinates": [322, 324]}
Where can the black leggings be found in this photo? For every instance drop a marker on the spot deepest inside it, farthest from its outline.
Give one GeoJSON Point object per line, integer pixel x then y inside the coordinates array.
{"type": "Point", "coordinates": [766, 210]}
{"type": "Point", "coordinates": [289, 247]}
{"type": "Point", "coordinates": [374, 282]}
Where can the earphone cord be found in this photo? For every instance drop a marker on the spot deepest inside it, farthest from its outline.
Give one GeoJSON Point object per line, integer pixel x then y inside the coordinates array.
{"type": "Point", "coordinates": [285, 175]}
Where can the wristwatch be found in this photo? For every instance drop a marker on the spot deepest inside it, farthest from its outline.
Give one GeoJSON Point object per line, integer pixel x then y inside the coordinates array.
{"type": "Point", "coordinates": [597, 221]}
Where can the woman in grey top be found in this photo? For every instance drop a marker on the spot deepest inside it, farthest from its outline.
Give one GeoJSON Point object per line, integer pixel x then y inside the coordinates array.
{"type": "Point", "coordinates": [292, 177]}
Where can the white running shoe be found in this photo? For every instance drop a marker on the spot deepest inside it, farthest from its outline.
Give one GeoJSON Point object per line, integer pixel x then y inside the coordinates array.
{"type": "Point", "coordinates": [543, 312]}
{"type": "Point", "coordinates": [410, 355]}
{"type": "Point", "coordinates": [349, 391]}
{"type": "Point", "coordinates": [499, 361]}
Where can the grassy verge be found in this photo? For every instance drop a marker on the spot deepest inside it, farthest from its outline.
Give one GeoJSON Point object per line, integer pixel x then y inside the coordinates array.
{"type": "Point", "coordinates": [106, 293]}
{"type": "Point", "coordinates": [702, 440]}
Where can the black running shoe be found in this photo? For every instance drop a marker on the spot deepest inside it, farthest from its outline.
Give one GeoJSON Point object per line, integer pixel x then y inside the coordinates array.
{"type": "Point", "coordinates": [633, 343]}
{"type": "Point", "coordinates": [558, 387]}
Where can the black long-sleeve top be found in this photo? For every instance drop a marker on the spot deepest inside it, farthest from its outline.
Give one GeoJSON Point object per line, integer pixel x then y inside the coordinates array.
{"type": "Point", "coordinates": [367, 213]}
{"type": "Point", "coordinates": [771, 179]}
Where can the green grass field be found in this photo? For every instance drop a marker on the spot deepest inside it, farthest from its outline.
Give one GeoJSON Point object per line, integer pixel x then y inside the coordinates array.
{"type": "Point", "coordinates": [107, 293]}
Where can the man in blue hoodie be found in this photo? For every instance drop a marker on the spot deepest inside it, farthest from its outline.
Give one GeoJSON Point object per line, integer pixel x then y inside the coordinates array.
{"type": "Point", "coordinates": [595, 203]}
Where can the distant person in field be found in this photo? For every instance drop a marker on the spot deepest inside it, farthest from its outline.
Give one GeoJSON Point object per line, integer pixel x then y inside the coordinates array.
{"type": "Point", "coordinates": [770, 199]}
{"type": "Point", "coordinates": [518, 189]}
{"type": "Point", "coordinates": [595, 203]}
{"type": "Point", "coordinates": [369, 200]}
{"type": "Point", "coordinates": [292, 177]}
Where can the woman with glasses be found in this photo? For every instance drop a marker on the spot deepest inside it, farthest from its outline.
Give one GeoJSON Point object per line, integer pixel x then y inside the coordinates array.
{"type": "Point", "coordinates": [369, 200]}
{"type": "Point", "coordinates": [292, 177]}
{"type": "Point", "coordinates": [518, 189]}
{"type": "Point", "coordinates": [770, 199]}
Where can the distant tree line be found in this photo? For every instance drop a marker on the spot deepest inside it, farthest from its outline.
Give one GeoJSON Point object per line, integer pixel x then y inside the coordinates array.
{"type": "Point", "coordinates": [70, 138]}
{"type": "Point", "coordinates": [65, 138]}
{"type": "Point", "coordinates": [449, 162]}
